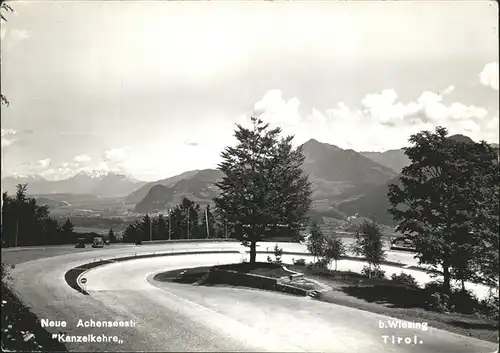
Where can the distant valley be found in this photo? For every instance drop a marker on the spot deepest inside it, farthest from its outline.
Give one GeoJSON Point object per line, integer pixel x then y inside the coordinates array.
{"type": "Point", "coordinates": [97, 183]}
{"type": "Point", "coordinates": [345, 182]}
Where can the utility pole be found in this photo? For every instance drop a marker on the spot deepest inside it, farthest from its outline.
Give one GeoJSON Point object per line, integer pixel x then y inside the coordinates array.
{"type": "Point", "coordinates": [150, 229]}
{"type": "Point", "coordinates": [17, 229]}
{"type": "Point", "coordinates": [188, 224]}
{"type": "Point", "coordinates": [206, 221]}
{"type": "Point", "coordinates": [169, 224]}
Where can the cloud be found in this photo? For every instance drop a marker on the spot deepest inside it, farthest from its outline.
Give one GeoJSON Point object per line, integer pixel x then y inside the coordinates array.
{"type": "Point", "coordinates": [380, 122]}
{"type": "Point", "coordinates": [7, 132]}
{"type": "Point", "coordinates": [489, 75]}
{"type": "Point", "coordinates": [21, 34]}
{"type": "Point", "coordinates": [58, 173]}
{"type": "Point", "coordinates": [191, 143]}
{"type": "Point", "coordinates": [7, 137]}
{"type": "Point", "coordinates": [43, 163]}
{"type": "Point", "coordinates": [385, 109]}
{"type": "Point", "coordinates": [274, 109]}
{"type": "Point", "coordinates": [84, 158]}
{"type": "Point", "coordinates": [448, 89]}
{"type": "Point", "coordinates": [36, 167]}
{"type": "Point", "coordinates": [115, 155]}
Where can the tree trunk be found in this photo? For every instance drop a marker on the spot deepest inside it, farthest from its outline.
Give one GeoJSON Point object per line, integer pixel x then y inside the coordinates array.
{"type": "Point", "coordinates": [369, 271]}
{"type": "Point", "coordinates": [446, 278]}
{"type": "Point", "coordinates": [335, 265]}
{"type": "Point", "coordinates": [253, 251]}
{"type": "Point", "coordinates": [463, 285]}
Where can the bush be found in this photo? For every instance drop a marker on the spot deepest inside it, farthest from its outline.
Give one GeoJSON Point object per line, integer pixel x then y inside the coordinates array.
{"type": "Point", "coordinates": [438, 301]}
{"type": "Point", "coordinates": [376, 272]}
{"type": "Point", "coordinates": [457, 301]}
{"type": "Point", "coordinates": [464, 302]}
{"type": "Point", "coordinates": [299, 262]}
{"type": "Point", "coordinates": [322, 263]}
{"type": "Point", "coordinates": [405, 279]}
{"type": "Point", "coordinates": [489, 307]}
{"type": "Point", "coordinates": [278, 252]}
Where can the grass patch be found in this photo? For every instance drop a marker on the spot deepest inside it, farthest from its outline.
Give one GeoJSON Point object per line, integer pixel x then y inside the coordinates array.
{"type": "Point", "coordinates": [259, 268]}
{"type": "Point", "coordinates": [186, 276]}
{"type": "Point", "coordinates": [387, 297]}
{"type": "Point", "coordinates": [193, 275]}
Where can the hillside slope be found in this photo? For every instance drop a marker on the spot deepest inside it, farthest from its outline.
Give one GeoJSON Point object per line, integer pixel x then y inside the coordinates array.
{"type": "Point", "coordinates": [140, 193]}
{"type": "Point", "coordinates": [338, 174]}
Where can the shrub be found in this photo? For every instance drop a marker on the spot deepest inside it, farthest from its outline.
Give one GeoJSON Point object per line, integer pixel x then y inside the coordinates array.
{"type": "Point", "coordinates": [299, 262]}
{"type": "Point", "coordinates": [322, 263]}
{"type": "Point", "coordinates": [464, 302]}
{"type": "Point", "coordinates": [457, 300]}
{"type": "Point", "coordinates": [405, 279]}
{"type": "Point", "coordinates": [376, 272]}
{"type": "Point", "coordinates": [489, 307]}
{"type": "Point", "coordinates": [278, 252]}
{"type": "Point", "coordinates": [438, 301]}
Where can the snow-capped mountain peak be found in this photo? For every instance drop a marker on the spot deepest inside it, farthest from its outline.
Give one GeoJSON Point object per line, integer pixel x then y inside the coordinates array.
{"type": "Point", "coordinates": [93, 174]}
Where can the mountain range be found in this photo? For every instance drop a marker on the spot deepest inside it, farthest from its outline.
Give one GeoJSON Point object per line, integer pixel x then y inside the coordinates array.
{"type": "Point", "coordinates": [394, 159]}
{"type": "Point", "coordinates": [95, 182]}
{"type": "Point", "coordinates": [345, 182]}
{"type": "Point", "coordinates": [198, 186]}
{"type": "Point", "coordinates": [375, 204]}
{"type": "Point", "coordinates": [336, 174]}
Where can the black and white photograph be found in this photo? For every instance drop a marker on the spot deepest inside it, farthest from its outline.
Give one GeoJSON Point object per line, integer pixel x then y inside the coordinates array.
{"type": "Point", "coordinates": [250, 176]}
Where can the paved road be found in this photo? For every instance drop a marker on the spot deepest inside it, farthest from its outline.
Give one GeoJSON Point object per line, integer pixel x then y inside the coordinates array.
{"type": "Point", "coordinates": [172, 317]}
{"type": "Point", "coordinates": [19, 255]}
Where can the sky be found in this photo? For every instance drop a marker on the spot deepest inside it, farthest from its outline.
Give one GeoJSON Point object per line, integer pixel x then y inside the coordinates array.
{"type": "Point", "coordinates": [153, 89]}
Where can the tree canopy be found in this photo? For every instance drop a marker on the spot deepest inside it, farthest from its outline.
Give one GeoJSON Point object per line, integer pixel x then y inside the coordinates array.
{"type": "Point", "coordinates": [264, 187]}
{"type": "Point", "coordinates": [447, 204]}
{"type": "Point", "coordinates": [24, 222]}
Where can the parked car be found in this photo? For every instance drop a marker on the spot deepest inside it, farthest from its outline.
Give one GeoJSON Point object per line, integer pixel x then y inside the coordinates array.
{"type": "Point", "coordinates": [138, 242]}
{"type": "Point", "coordinates": [80, 243]}
{"type": "Point", "coordinates": [402, 242]}
{"type": "Point", "coordinates": [107, 242]}
{"type": "Point", "coordinates": [98, 242]}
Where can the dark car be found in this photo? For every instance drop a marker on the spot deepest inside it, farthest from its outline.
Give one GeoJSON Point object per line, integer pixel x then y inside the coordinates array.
{"type": "Point", "coordinates": [138, 242]}
{"type": "Point", "coordinates": [80, 243]}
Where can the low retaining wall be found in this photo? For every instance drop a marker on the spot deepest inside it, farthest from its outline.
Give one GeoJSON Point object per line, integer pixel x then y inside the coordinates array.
{"type": "Point", "coordinates": [73, 275]}
{"type": "Point", "coordinates": [217, 275]}
{"type": "Point", "coordinates": [147, 242]}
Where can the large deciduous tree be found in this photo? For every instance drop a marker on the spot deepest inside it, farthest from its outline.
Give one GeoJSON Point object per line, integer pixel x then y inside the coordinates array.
{"type": "Point", "coordinates": [264, 187]}
{"type": "Point", "coordinates": [446, 203]}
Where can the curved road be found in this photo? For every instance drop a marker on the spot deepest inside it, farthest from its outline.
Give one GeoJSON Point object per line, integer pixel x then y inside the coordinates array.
{"type": "Point", "coordinates": [174, 317]}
